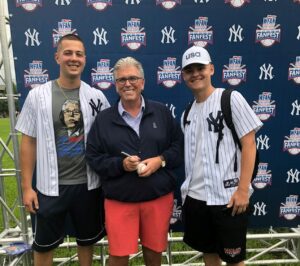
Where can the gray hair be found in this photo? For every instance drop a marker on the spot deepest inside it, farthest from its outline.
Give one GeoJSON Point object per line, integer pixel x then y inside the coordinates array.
{"type": "Point", "coordinates": [67, 102]}
{"type": "Point", "coordinates": [128, 61]}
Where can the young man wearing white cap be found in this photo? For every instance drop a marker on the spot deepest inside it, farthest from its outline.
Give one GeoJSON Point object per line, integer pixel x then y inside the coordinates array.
{"type": "Point", "coordinates": [215, 196]}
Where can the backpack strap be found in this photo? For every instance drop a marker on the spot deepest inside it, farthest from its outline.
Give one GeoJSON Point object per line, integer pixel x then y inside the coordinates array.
{"type": "Point", "coordinates": [186, 113]}
{"type": "Point", "coordinates": [227, 113]}
{"type": "Point", "coordinates": [220, 137]}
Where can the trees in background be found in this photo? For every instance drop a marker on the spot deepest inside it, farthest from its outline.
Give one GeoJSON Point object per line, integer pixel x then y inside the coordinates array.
{"type": "Point", "coordinates": [4, 103]}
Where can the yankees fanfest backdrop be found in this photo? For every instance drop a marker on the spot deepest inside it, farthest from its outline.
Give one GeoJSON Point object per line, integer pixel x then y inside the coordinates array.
{"type": "Point", "coordinates": [254, 44]}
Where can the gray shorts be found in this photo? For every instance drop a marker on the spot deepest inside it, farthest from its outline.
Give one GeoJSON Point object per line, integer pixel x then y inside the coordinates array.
{"type": "Point", "coordinates": [77, 212]}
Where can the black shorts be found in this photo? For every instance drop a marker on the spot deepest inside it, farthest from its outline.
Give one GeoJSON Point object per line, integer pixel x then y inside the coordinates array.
{"type": "Point", "coordinates": [211, 229]}
{"type": "Point", "coordinates": [84, 207]}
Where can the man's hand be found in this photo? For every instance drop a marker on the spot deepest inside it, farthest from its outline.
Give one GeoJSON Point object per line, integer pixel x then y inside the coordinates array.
{"type": "Point", "coordinates": [152, 165]}
{"type": "Point", "coordinates": [30, 200]}
{"type": "Point", "coordinates": [239, 201]}
{"type": "Point", "coordinates": [130, 163]}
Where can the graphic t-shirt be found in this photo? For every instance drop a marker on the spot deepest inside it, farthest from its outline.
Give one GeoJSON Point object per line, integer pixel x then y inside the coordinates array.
{"type": "Point", "coordinates": [69, 135]}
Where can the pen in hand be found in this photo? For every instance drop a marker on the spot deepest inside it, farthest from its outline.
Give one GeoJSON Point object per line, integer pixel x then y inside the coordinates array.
{"type": "Point", "coordinates": [125, 153]}
{"type": "Point", "coordinates": [140, 167]}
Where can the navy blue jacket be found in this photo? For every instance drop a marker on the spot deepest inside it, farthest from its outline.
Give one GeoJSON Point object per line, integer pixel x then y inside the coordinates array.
{"type": "Point", "coordinates": [160, 134]}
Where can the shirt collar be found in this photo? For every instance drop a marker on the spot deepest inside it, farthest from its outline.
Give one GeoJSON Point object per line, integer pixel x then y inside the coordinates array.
{"type": "Point", "coordinates": [123, 112]}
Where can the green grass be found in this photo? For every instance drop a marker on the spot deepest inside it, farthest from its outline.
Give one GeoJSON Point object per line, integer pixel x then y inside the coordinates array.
{"type": "Point", "coordinates": [9, 182]}
{"type": "Point", "coordinates": [4, 134]}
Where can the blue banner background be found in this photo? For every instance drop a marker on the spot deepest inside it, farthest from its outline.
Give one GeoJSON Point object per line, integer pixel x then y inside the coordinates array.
{"type": "Point", "coordinates": [278, 181]}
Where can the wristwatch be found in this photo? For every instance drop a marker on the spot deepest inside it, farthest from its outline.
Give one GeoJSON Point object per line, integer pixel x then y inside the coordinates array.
{"type": "Point", "coordinates": [163, 161]}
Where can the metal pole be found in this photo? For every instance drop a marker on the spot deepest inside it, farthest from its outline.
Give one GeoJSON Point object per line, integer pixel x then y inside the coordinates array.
{"type": "Point", "coordinates": [12, 116]}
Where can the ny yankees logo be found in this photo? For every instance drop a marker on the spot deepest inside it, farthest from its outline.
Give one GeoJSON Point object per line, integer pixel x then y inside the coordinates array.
{"type": "Point", "coordinates": [217, 122]}
{"type": "Point", "coordinates": [95, 108]}
{"type": "Point", "coordinates": [260, 209]}
{"type": "Point", "coordinates": [63, 2]}
{"type": "Point", "coordinates": [32, 38]}
{"type": "Point", "coordinates": [100, 36]}
{"type": "Point", "coordinates": [218, 125]}
{"type": "Point", "coordinates": [266, 72]}
{"type": "Point", "coordinates": [235, 33]}
{"type": "Point", "coordinates": [168, 35]}
{"type": "Point", "coordinates": [296, 108]}
{"type": "Point", "coordinates": [293, 176]}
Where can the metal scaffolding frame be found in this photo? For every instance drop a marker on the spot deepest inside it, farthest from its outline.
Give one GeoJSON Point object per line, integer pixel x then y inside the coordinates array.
{"type": "Point", "coordinates": [280, 248]}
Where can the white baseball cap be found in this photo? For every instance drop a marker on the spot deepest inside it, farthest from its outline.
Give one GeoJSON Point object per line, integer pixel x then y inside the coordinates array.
{"type": "Point", "coordinates": [195, 55]}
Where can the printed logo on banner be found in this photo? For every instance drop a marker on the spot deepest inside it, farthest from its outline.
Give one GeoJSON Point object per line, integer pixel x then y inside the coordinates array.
{"type": "Point", "coordinates": [266, 72]}
{"type": "Point", "coordinates": [103, 75]}
{"type": "Point", "coordinates": [169, 74]}
{"type": "Point", "coordinates": [293, 176]}
{"type": "Point", "coordinates": [99, 5]}
{"type": "Point", "coordinates": [176, 214]}
{"type": "Point", "coordinates": [290, 209]}
{"type": "Point", "coordinates": [259, 209]}
{"type": "Point", "coordinates": [292, 142]}
{"type": "Point", "coordinates": [295, 108]}
{"type": "Point", "coordinates": [172, 109]}
{"type": "Point", "coordinates": [133, 36]}
{"type": "Point", "coordinates": [237, 3]}
{"type": "Point", "coordinates": [236, 33]}
{"type": "Point", "coordinates": [201, 35]}
{"type": "Point", "coordinates": [64, 27]}
{"type": "Point", "coordinates": [28, 5]}
{"type": "Point", "coordinates": [168, 4]}
{"type": "Point", "coordinates": [234, 73]}
{"type": "Point", "coordinates": [132, 2]}
{"type": "Point", "coordinates": [264, 108]}
{"type": "Point", "coordinates": [32, 38]}
{"type": "Point", "coordinates": [268, 33]}
{"type": "Point", "coordinates": [100, 36]}
{"type": "Point", "coordinates": [294, 71]}
{"type": "Point", "coordinates": [35, 76]}
{"type": "Point", "coordinates": [263, 177]}
{"type": "Point", "coordinates": [201, 1]}
{"type": "Point", "coordinates": [63, 2]}
{"type": "Point", "coordinates": [168, 35]}
{"type": "Point", "coordinates": [263, 142]}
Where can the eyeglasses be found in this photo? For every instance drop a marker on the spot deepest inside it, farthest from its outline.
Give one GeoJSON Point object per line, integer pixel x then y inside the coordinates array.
{"type": "Point", "coordinates": [71, 112]}
{"type": "Point", "coordinates": [131, 79]}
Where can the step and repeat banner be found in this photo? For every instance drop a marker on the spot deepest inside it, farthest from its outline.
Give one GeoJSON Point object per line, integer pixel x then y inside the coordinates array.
{"type": "Point", "coordinates": [254, 44]}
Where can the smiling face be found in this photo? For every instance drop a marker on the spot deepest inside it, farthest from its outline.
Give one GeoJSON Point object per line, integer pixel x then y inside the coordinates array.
{"type": "Point", "coordinates": [198, 77]}
{"type": "Point", "coordinates": [71, 57]}
{"type": "Point", "coordinates": [131, 90]}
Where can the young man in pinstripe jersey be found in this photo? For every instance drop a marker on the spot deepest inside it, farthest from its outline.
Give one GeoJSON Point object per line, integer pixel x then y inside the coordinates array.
{"type": "Point", "coordinates": [54, 123]}
{"type": "Point", "coordinates": [215, 196]}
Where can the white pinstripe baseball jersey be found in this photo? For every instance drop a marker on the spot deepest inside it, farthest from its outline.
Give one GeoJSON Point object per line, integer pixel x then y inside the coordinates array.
{"type": "Point", "coordinates": [208, 182]}
{"type": "Point", "coordinates": [35, 120]}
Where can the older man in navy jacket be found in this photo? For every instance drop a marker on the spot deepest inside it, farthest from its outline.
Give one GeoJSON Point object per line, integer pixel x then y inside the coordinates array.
{"type": "Point", "coordinates": [135, 147]}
